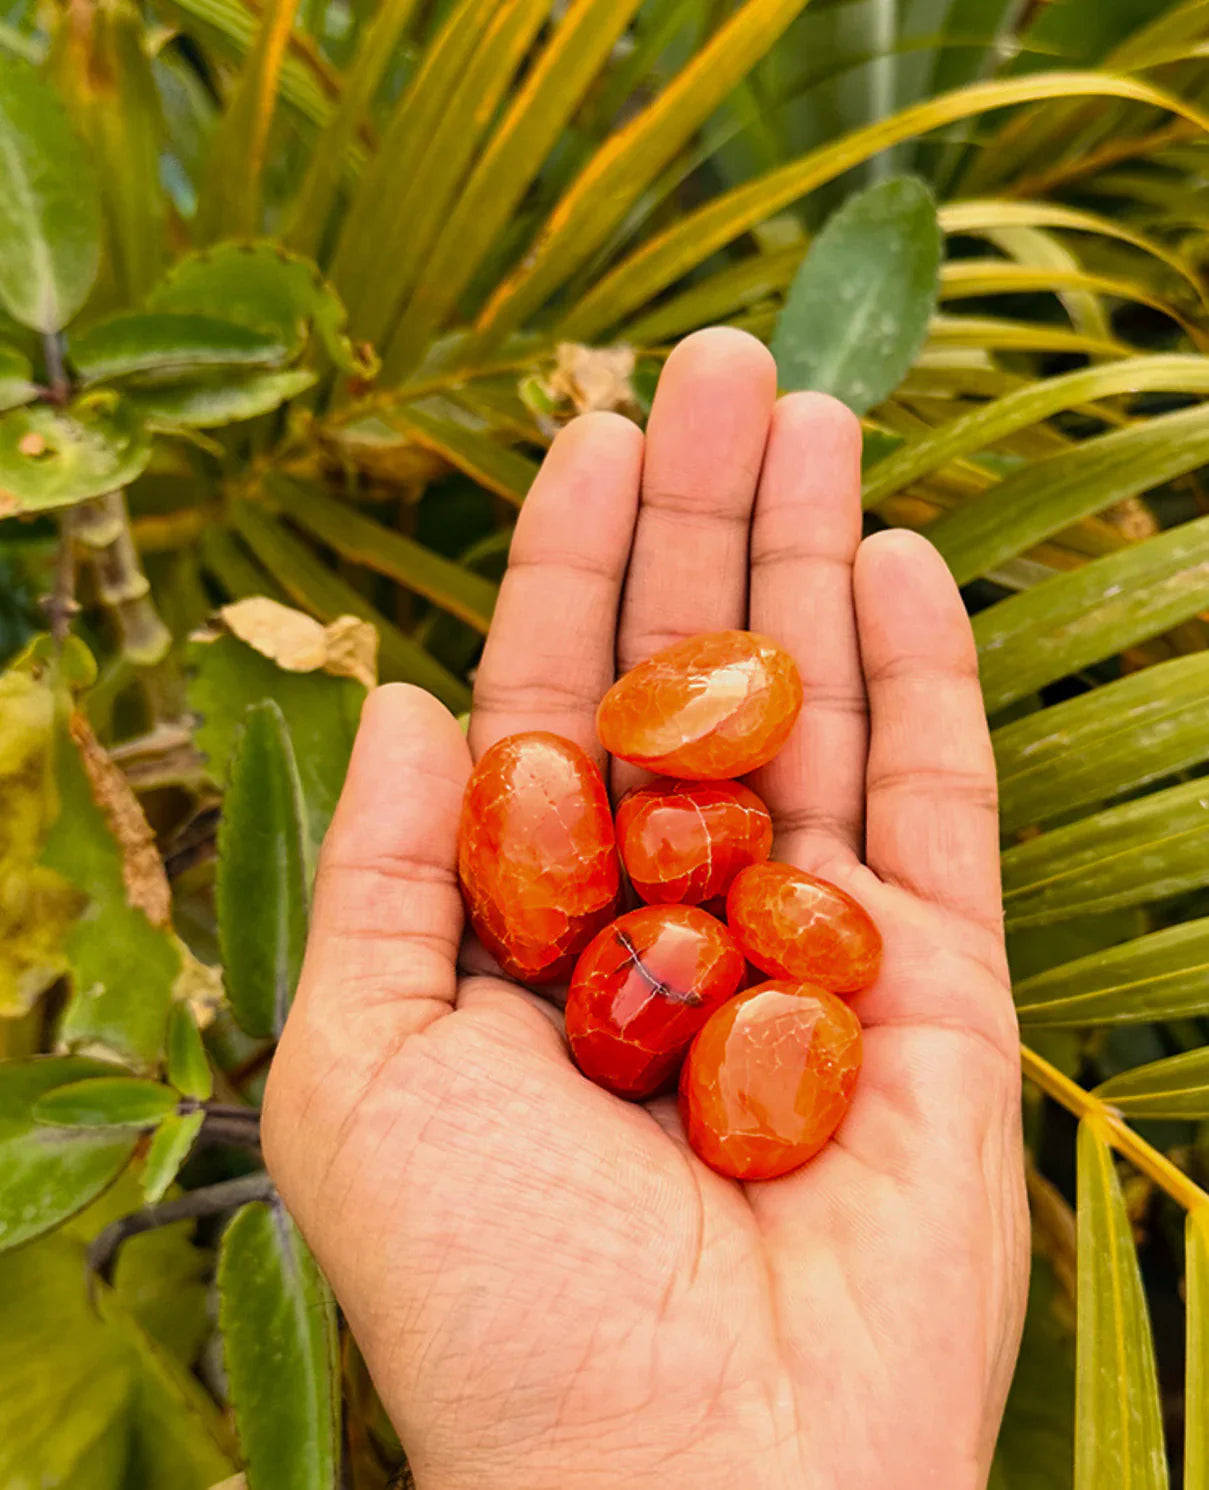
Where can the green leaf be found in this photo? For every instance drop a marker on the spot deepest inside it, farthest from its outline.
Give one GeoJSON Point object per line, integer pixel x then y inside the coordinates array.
{"type": "Point", "coordinates": [123, 965]}
{"type": "Point", "coordinates": [50, 216]}
{"type": "Point", "coordinates": [1048, 495]}
{"type": "Point", "coordinates": [1196, 1392]}
{"type": "Point", "coordinates": [1161, 976]}
{"type": "Point", "coordinates": [857, 311]}
{"type": "Point", "coordinates": [1066, 622]}
{"type": "Point", "coordinates": [55, 457]}
{"type": "Point", "coordinates": [1175, 1087]}
{"type": "Point", "coordinates": [221, 399]}
{"type": "Point", "coordinates": [259, 284]}
{"type": "Point", "coordinates": [1103, 742]}
{"type": "Point", "coordinates": [261, 893]}
{"type": "Point", "coordinates": [1118, 1425]}
{"type": "Point", "coordinates": [188, 1066]}
{"type": "Point", "coordinates": [17, 384]}
{"type": "Point", "coordinates": [1141, 851]}
{"type": "Point", "coordinates": [278, 1324]}
{"type": "Point", "coordinates": [1037, 401]}
{"type": "Point", "coordinates": [170, 1146]}
{"type": "Point", "coordinates": [164, 343]}
{"type": "Point", "coordinates": [354, 536]}
{"type": "Point", "coordinates": [314, 587]}
{"type": "Point", "coordinates": [106, 1102]}
{"type": "Point", "coordinates": [47, 1175]}
{"type": "Point", "coordinates": [321, 712]}
{"type": "Point", "coordinates": [107, 1408]}
{"type": "Point", "coordinates": [230, 199]}
{"type": "Point", "coordinates": [101, 66]}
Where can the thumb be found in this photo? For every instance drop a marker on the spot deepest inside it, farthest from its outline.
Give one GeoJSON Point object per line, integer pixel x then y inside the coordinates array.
{"type": "Point", "coordinates": [387, 917]}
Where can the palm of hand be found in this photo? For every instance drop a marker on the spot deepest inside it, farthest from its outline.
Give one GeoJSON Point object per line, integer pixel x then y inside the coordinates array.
{"type": "Point", "coordinates": [549, 1288]}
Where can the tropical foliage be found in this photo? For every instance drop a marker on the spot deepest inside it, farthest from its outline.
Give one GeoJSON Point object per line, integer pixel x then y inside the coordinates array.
{"type": "Point", "coordinates": [293, 297]}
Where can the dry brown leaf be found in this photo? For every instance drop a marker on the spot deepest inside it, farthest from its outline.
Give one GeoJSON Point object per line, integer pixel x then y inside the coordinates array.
{"type": "Point", "coordinates": [592, 377]}
{"type": "Point", "coordinates": [142, 868]}
{"type": "Point", "coordinates": [348, 648]}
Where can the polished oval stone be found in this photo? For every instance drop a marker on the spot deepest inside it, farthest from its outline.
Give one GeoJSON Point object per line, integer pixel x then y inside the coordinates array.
{"type": "Point", "coordinates": [794, 925]}
{"type": "Point", "coordinates": [682, 842]}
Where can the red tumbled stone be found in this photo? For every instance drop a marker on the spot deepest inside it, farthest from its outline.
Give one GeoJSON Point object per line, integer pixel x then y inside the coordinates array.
{"type": "Point", "coordinates": [682, 842]}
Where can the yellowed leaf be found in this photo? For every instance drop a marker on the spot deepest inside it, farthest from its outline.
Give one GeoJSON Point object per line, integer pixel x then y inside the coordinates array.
{"type": "Point", "coordinates": [348, 648]}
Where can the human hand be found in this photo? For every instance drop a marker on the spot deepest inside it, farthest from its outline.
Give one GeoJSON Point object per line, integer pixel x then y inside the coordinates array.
{"type": "Point", "coordinates": [551, 1291]}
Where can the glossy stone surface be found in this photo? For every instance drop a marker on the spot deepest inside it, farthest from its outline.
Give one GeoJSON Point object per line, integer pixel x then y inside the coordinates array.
{"type": "Point", "coordinates": [709, 708]}
{"type": "Point", "coordinates": [536, 855]}
{"type": "Point", "coordinates": [642, 990]}
{"type": "Point", "coordinates": [682, 842]}
{"type": "Point", "coordinates": [769, 1079]}
{"type": "Point", "coordinates": [793, 925]}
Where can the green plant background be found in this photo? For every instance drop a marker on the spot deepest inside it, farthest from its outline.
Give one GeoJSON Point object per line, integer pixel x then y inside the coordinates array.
{"type": "Point", "coordinates": [292, 297]}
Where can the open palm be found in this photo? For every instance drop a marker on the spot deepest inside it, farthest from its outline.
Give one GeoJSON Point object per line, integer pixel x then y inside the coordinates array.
{"type": "Point", "coordinates": [549, 1288]}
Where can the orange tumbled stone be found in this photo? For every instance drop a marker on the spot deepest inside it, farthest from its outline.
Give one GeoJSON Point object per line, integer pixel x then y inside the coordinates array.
{"type": "Point", "coordinates": [793, 925]}
{"type": "Point", "coordinates": [536, 854]}
{"type": "Point", "coordinates": [642, 990]}
{"type": "Point", "coordinates": [769, 1079]}
{"type": "Point", "coordinates": [709, 708]}
{"type": "Point", "coordinates": [682, 842]}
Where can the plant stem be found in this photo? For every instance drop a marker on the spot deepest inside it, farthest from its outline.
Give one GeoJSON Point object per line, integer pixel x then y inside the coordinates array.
{"type": "Point", "coordinates": [213, 1200]}
{"type": "Point", "coordinates": [60, 605]}
{"type": "Point", "coordinates": [56, 372]}
{"type": "Point", "coordinates": [1084, 1104]}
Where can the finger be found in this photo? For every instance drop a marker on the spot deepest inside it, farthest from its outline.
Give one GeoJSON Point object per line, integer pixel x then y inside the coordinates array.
{"type": "Point", "coordinates": [804, 539]}
{"type": "Point", "coordinates": [931, 819]}
{"type": "Point", "coordinates": [550, 654]}
{"type": "Point", "coordinates": [387, 916]}
{"type": "Point", "coordinates": [705, 443]}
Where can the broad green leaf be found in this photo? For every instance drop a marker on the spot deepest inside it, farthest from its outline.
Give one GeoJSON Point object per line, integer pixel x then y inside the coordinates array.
{"type": "Point", "coordinates": [695, 235]}
{"type": "Point", "coordinates": [100, 63]}
{"type": "Point", "coordinates": [168, 343]}
{"type": "Point", "coordinates": [857, 312]}
{"type": "Point", "coordinates": [1175, 1087]}
{"type": "Point", "coordinates": [354, 536]}
{"type": "Point", "coordinates": [1144, 850]}
{"type": "Point", "coordinates": [413, 211]}
{"type": "Point", "coordinates": [1034, 1447]}
{"type": "Point", "coordinates": [53, 457]}
{"type": "Point", "coordinates": [313, 586]}
{"type": "Point", "coordinates": [188, 1066]}
{"type": "Point", "coordinates": [1103, 742]}
{"type": "Point", "coordinates": [36, 905]}
{"type": "Point", "coordinates": [1066, 622]}
{"type": "Point", "coordinates": [107, 1407]}
{"type": "Point", "coordinates": [1027, 406]}
{"type": "Point", "coordinates": [17, 384]}
{"type": "Point", "coordinates": [555, 86]}
{"type": "Point", "coordinates": [230, 200]}
{"type": "Point", "coordinates": [50, 219]}
{"type": "Point", "coordinates": [106, 1102]}
{"type": "Point", "coordinates": [1049, 495]}
{"type": "Point", "coordinates": [468, 450]}
{"type": "Point", "coordinates": [261, 894]}
{"type": "Point", "coordinates": [280, 1345]}
{"type": "Point", "coordinates": [227, 676]}
{"type": "Point", "coordinates": [219, 399]}
{"type": "Point", "coordinates": [1164, 975]}
{"type": "Point", "coordinates": [1196, 1391]}
{"type": "Point", "coordinates": [170, 1146]}
{"type": "Point", "coordinates": [259, 284]}
{"type": "Point", "coordinates": [1118, 1425]}
{"type": "Point", "coordinates": [123, 964]}
{"type": "Point", "coordinates": [376, 50]}
{"type": "Point", "coordinates": [48, 1174]}
{"type": "Point", "coordinates": [626, 164]}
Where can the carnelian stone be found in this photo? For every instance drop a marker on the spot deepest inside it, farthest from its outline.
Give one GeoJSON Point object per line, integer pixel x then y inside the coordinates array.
{"type": "Point", "coordinates": [709, 708]}
{"type": "Point", "coordinates": [796, 926]}
{"type": "Point", "coordinates": [536, 854]}
{"type": "Point", "coordinates": [642, 990]}
{"type": "Point", "coordinates": [769, 1079]}
{"type": "Point", "coordinates": [682, 842]}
